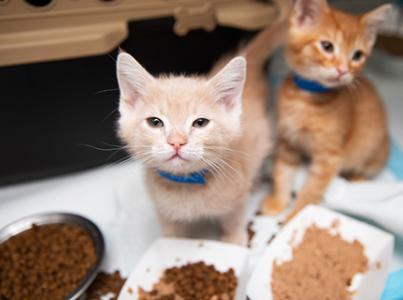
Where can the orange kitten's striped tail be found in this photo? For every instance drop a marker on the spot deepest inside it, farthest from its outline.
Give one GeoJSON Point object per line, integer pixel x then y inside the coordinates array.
{"type": "Point", "coordinates": [268, 40]}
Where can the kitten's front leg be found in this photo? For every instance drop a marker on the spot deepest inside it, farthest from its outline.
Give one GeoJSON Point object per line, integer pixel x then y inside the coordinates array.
{"type": "Point", "coordinates": [285, 166]}
{"type": "Point", "coordinates": [323, 169]}
{"type": "Point", "coordinates": [234, 227]}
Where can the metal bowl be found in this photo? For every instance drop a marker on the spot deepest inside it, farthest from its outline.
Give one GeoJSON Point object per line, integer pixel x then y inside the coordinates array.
{"type": "Point", "coordinates": [63, 218]}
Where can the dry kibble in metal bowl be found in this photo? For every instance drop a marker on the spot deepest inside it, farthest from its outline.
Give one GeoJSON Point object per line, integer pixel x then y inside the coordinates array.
{"type": "Point", "coordinates": [47, 261]}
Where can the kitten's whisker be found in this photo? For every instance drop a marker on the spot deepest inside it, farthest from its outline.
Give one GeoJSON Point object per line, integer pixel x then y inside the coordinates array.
{"type": "Point", "coordinates": [220, 173]}
{"type": "Point", "coordinates": [113, 154]}
{"type": "Point", "coordinates": [223, 170]}
{"type": "Point", "coordinates": [114, 150]}
{"type": "Point", "coordinates": [110, 114]}
{"type": "Point", "coordinates": [229, 166]}
{"type": "Point", "coordinates": [123, 161]}
{"type": "Point", "coordinates": [144, 158]}
{"type": "Point", "coordinates": [103, 149]}
{"type": "Point", "coordinates": [212, 168]}
{"type": "Point", "coordinates": [212, 165]}
{"type": "Point", "coordinates": [106, 90]}
{"type": "Point", "coordinates": [112, 57]}
{"type": "Point", "coordinates": [217, 148]}
{"type": "Point", "coordinates": [113, 145]}
{"type": "Point", "coordinates": [144, 147]}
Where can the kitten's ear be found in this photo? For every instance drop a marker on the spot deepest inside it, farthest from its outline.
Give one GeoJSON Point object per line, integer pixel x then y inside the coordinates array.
{"type": "Point", "coordinates": [132, 79]}
{"type": "Point", "coordinates": [374, 19]}
{"type": "Point", "coordinates": [229, 83]}
{"type": "Point", "coordinates": [308, 12]}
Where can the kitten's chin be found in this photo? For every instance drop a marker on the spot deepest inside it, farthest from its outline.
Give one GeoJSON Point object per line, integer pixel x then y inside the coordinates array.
{"type": "Point", "coordinates": [331, 84]}
{"type": "Point", "coordinates": [336, 83]}
{"type": "Point", "coordinates": [180, 166]}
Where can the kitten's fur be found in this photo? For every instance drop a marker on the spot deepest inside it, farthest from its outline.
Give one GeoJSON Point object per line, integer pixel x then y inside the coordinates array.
{"type": "Point", "coordinates": [343, 131]}
{"type": "Point", "coordinates": [232, 146]}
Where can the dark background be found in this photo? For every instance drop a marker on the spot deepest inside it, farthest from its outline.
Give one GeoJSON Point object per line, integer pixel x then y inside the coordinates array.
{"type": "Point", "coordinates": [54, 113]}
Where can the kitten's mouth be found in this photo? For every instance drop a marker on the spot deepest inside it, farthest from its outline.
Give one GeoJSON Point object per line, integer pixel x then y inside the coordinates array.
{"type": "Point", "coordinates": [177, 156]}
{"type": "Point", "coordinates": [336, 79]}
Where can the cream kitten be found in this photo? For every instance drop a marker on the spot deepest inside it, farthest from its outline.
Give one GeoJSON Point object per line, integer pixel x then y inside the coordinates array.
{"type": "Point", "coordinates": [202, 140]}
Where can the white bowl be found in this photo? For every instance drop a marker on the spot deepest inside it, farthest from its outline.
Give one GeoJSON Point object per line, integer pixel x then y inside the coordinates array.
{"type": "Point", "coordinates": [167, 253]}
{"type": "Point", "coordinates": [378, 247]}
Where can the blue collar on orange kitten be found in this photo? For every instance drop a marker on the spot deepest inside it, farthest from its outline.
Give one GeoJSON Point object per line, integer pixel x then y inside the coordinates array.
{"type": "Point", "coordinates": [310, 85]}
{"type": "Point", "coordinates": [192, 178]}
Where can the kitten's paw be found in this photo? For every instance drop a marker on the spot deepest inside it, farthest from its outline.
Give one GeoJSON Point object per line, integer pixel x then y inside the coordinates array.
{"type": "Point", "coordinates": [273, 206]}
{"type": "Point", "coordinates": [291, 215]}
{"type": "Point", "coordinates": [356, 178]}
{"type": "Point", "coordinates": [237, 238]}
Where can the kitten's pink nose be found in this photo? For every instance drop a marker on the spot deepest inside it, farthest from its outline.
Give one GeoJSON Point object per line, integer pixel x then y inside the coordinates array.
{"type": "Point", "coordinates": [177, 140]}
{"type": "Point", "coordinates": [177, 147]}
{"type": "Point", "coordinates": [341, 71]}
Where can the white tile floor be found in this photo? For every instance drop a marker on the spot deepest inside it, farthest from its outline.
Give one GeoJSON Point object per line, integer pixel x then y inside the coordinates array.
{"type": "Point", "coordinates": [114, 197]}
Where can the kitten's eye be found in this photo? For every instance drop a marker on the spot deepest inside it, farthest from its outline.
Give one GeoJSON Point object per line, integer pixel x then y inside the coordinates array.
{"type": "Point", "coordinates": [358, 55]}
{"type": "Point", "coordinates": [201, 122]}
{"type": "Point", "coordinates": [327, 46]}
{"type": "Point", "coordinates": [155, 122]}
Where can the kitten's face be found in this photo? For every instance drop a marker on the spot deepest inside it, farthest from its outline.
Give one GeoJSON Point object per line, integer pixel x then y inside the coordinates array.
{"type": "Point", "coordinates": [179, 124]}
{"type": "Point", "coordinates": [329, 46]}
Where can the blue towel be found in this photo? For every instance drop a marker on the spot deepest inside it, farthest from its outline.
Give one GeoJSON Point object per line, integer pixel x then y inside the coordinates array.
{"type": "Point", "coordinates": [395, 163]}
{"type": "Point", "coordinates": [394, 286]}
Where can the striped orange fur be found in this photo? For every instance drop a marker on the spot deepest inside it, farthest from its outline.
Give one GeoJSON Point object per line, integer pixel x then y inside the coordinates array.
{"type": "Point", "coordinates": [343, 131]}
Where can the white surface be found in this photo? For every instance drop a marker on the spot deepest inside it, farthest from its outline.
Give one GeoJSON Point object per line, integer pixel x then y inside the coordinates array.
{"type": "Point", "coordinates": [378, 201]}
{"type": "Point", "coordinates": [377, 244]}
{"type": "Point", "coordinates": [168, 253]}
{"type": "Point", "coordinates": [113, 197]}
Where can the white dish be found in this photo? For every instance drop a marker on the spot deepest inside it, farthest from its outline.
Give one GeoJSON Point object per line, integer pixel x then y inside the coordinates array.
{"type": "Point", "coordinates": [167, 253]}
{"type": "Point", "coordinates": [378, 247]}
{"type": "Point", "coordinates": [265, 229]}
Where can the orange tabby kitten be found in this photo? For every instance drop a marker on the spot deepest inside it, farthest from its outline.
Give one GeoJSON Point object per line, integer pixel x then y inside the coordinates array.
{"type": "Point", "coordinates": [202, 140]}
{"type": "Point", "coordinates": [327, 112]}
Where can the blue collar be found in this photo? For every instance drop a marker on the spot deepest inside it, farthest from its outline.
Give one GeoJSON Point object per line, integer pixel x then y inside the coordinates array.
{"type": "Point", "coordinates": [192, 178]}
{"type": "Point", "coordinates": [310, 85]}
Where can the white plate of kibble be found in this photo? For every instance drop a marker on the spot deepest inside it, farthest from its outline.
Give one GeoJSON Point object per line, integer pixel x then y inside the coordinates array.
{"type": "Point", "coordinates": [377, 247]}
{"type": "Point", "coordinates": [167, 253]}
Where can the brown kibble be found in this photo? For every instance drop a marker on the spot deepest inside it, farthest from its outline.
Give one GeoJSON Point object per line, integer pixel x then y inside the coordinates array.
{"type": "Point", "coordinates": [322, 267]}
{"type": "Point", "coordinates": [46, 262]}
{"type": "Point", "coordinates": [104, 284]}
{"type": "Point", "coordinates": [251, 233]}
{"type": "Point", "coordinates": [271, 239]}
{"type": "Point", "coordinates": [130, 290]}
{"type": "Point", "coordinates": [258, 213]}
{"type": "Point", "coordinates": [194, 281]}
